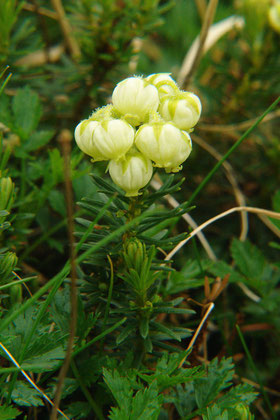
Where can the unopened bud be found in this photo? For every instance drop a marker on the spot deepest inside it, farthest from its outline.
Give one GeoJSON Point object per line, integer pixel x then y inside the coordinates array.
{"type": "Point", "coordinates": [164, 84]}
{"type": "Point", "coordinates": [164, 144]}
{"type": "Point", "coordinates": [183, 110]}
{"type": "Point", "coordinates": [131, 173]}
{"type": "Point", "coordinates": [135, 99]}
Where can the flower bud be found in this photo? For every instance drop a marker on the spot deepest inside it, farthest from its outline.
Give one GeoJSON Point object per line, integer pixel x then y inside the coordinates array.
{"type": "Point", "coordinates": [274, 16]}
{"type": "Point", "coordinates": [84, 138]}
{"type": "Point", "coordinates": [135, 98]}
{"type": "Point", "coordinates": [8, 262]}
{"type": "Point", "coordinates": [131, 173]}
{"type": "Point", "coordinates": [164, 144]}
{"type": "Point", "coordinates": [164, 84]}
{"type": "Point", "coordinates": [183, 110]}
{"type": "Point", "coordinates": [243, 412]}
{"type": "Point", "coordinates": [113, 138]}
{"type": "Point", "coordinates": [6, 195]}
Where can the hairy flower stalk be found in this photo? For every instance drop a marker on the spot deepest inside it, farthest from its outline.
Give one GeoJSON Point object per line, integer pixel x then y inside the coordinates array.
{"type": "Point", "coordinates": [147, 124]}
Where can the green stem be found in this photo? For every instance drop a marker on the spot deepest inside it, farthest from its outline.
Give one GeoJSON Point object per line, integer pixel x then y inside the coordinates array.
{"type": "Point", "coordinates": [95, 407]}
{"type": "Point", "coordinates": [255, 370]}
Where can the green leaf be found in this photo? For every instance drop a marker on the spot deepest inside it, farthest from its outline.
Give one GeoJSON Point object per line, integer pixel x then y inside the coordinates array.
{"type": "Point", "coordinates": [243, 393]}
{"type": "Point", "coordinates": [257, 272]}
{"type": "Point", "coordinates": [27, 112]}
{"type": "Point", "coordinates": [145, 404]}
{"type": "Point", "coordinates": [120, 388]}
{"type": "Point", "coordinates": [249, 258]}
{"type": "Point", "coordinates": [78, 410]}
{"type": "Point", "coordinates": [215, 413]}
{"type": "Point", "coordinates": [168, 374]}
{"type": "Point", "coordinates": [25, 394]}
{"type": "Point", "coordinates": [218, 377]}
{"type": "Point", "coordinates": [44, 353]}
{"type": "Point", "coordinates": [57, 202]}
{"type": "Point", "coordinates": [37, 139]}
{"type": "Point", "coordinates": [144, 327]}
{"type": "Point", "coordinates": [8, 413]}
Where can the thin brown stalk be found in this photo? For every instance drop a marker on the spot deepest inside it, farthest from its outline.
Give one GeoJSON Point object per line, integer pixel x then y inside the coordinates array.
{"type": "Point", "coordinates": [207, 22]}
{"type": "Point", "coordinates": [201, 6]}
{"type": "Point", "coordinates": [216, 31]}
{"type": "Point", "coordinates": [239, 196]}
{"type": "Point", "coordinates": [207, 313]}
{"type": "Point", "coordinates": [42, 10]}
{"type": "Point", "coordinates": [65, 139]}
{"type": "Point", "coordinates": [66, 30]}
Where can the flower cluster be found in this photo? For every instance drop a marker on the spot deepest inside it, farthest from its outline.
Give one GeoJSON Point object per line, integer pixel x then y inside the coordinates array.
{"type": "Point", "coordinates": [147, 125]}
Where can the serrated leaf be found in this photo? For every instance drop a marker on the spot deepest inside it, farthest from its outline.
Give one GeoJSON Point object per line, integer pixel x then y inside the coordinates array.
{"type": "Point", "coordinates": [218, 377]}
{"type": "Point", "coordinates": [25, 394]}
{"type": "Point", "coordinates": [243, 393]}
{"type": "Point", "coordinates": [78, 410]}
{"type": "Point", "coordinates": [249, 258]}
{"type": "Point", "coordinates": [8, 413]}
{"type": "Point", "coordinates": [37, 139]}
{"type": "Point", "coordinates": [27, 111]}
{"type": "Point", "coordinates": [120, 388]}
{"type": "Point", "coordinates": [215, 413]}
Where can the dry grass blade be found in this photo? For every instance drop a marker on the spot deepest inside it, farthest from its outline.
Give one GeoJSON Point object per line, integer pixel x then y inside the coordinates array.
{"type": "Point", "coordinates": [255, 210]}
{"type": "Point", "coordinates": [207, 313]}
{"type": "Point", "coordinates": [42, 10]}
{"type": "Point", "coordinates": [66, 29]}
{"type": "Point", "coordinates": [184, 80]}
{"type": "Point", "coordinates": [65, 139]}
{"type": "Point", "coordinates": [214, 34]}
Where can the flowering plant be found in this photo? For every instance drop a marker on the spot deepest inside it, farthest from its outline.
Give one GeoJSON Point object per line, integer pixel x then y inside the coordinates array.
{"type": "Point", "coordinates": [147, 125]}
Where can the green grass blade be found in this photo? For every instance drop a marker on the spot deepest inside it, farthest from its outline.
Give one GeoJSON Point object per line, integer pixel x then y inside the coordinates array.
{"type": "Point", "coordinates": [255, 370]}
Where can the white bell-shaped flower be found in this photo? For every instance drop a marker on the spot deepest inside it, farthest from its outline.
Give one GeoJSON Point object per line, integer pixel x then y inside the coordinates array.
{"type": "Point", "coordinates": [164, 84]}
{"type": "Point", "coordinates": [131, 173]}
{"type": "Point", "coordinates": [135, 99]}
{"type": "Point", "coordinates": [274, 16]}
{"type": "Point", "coordinates": [84, 138]}
{"type": "Point", "coordinates": [113, 138]}
{"type": "Point", "coordinates": [183, 109]}
{"type": "Point", "coordinates": [163, 143]}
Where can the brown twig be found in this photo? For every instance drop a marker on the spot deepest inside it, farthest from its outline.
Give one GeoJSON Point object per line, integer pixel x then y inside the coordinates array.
{"type": "Point", "coordinates": [66, 30]}
{"type": "Point", "coordinates": [207, 22]}
{"type": "Point", "coordinates": [65, 140]}
{"type": "Point", "coordinates": [42, 10]}
{"type": "Point", "coordinates": [207, 313]}
{"type": "Point", "coordinates": [201, 6]}
{"type": "Point", "coordinates": [255, 210]}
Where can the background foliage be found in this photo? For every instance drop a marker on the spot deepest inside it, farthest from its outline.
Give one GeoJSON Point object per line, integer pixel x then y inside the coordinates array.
{"type": "Point", "coordinates": [137, 313]}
